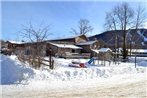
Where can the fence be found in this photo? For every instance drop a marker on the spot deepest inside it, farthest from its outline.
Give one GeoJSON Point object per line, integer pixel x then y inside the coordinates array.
{"type": "Point", "coordinates": [77, 55]}
{"type": "Point", "coordinates": [36, 62]}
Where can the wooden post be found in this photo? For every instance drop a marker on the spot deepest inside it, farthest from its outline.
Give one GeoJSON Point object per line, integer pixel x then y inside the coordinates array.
{"type": "Point", "coordinates": [30, 60]}
{"type": "Point", "coordinates": [50, 58]}
{"type": "Point", "coordinates": [39, 62]}
{"type": "Point", "coordinates": [52, 65]}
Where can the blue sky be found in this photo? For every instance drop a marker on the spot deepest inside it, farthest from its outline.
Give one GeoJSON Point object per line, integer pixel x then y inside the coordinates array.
{"type": "Point", "coordinates": [60, 15]}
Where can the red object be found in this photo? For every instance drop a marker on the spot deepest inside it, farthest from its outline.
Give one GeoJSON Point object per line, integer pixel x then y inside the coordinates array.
{"type": "Point", "coordinates": [82, 65]}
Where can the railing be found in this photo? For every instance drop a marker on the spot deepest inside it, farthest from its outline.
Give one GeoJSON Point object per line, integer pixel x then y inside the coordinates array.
{"type": "Point", "coordinates": [77, 55]}
{"type": "Point", "coordinates": [36, 62]}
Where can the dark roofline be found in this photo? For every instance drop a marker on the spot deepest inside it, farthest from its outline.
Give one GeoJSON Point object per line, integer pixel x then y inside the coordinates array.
{"type": "Point", "coordinates": [68, 38]}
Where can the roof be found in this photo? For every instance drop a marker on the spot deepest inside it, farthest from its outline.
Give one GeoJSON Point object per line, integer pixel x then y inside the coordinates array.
{"type": "Point", "coordinates": [16, 42]}
{"type": "Point", "coordinates": [66, 46]}
{"type": "Point", "coordinates": [104, 49]}
{"type": "Point", "coordinates": [87, 43]}
{"type": "Point", "coordinates": [95, 50]}
{"type": "Point", "coordinates": [66, 38]}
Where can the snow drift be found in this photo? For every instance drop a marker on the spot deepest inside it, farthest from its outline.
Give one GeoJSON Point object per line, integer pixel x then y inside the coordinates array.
{"type": "Point", "coordinates": [13, 71]}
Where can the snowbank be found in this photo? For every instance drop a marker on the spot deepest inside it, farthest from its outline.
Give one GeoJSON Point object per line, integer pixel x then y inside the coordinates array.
{"type": "Point", "coordinates": [70, 74]}
{"type": "Point", "coordinates": [13, 72]}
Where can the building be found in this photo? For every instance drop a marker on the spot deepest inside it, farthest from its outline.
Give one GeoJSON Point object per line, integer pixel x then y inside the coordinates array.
{"type": "Point", "coordinates": [61, 50]}
{"type": "Point", "coordinates": [78, 46]}
{"type": "Point", "coordinates": [59, 47]}
{"type": "Point", "coordinates": [105, 54]}
{"type": "Point", "coordinates": [89, 46]}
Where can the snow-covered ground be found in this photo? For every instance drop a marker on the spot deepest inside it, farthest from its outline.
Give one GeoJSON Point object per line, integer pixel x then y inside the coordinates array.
{"type": "Point", "coordinates": [20, 80]}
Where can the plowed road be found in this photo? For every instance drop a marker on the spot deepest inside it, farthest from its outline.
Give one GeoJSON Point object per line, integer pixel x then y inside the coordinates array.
{"type": "Point", "coordinates": [130, 90]}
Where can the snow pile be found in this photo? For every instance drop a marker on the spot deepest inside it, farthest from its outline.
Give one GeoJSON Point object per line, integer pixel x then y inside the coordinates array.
{"type": "Point", "coordinates": [13, 72]}
{"type": "Point", "coordinates": [64, 74]}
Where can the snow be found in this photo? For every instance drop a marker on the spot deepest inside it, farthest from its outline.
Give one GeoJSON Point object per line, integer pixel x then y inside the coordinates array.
{"type": "Point", "coordinates": [66, 46]}
{"type": "Point", "coordinates": [95, 50]}
{"type": "Point", "coordinates": [63, 78]}
{"type": "Point", "coordinates": [104, 49]}
{"type": "Point", "coordinates": [16, 42]}
{"type": "Point", "coordinates": [138, 50]}
{"type": "Point", "coordinates": [87, 43]}
{"type": "Point", "coordinates": [101, 50]}
{"type": "Point", "coordinates": [14, 71]}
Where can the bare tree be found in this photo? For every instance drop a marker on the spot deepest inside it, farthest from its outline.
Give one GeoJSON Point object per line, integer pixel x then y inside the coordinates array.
{"type": "Point", "coordinates": [139, 21]}
{"type": "Point", "coordinates": [111, 23]}
{"type": "Point", "coordinates": [140, 17]}
{"type": "Point", "coordinates": [83, 27]}
{"type": "Point", "coordinates": [36, 36]}
{"type": "Point", "coordinates": [122, 18]}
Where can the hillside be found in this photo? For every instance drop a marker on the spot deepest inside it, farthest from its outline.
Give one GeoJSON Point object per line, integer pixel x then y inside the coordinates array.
{"type": "Point", "coordinates": [139, 38]}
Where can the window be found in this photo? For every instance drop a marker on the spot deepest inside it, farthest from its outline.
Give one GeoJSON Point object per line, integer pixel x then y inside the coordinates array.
{"type": "Point", "coordinates": [27, 52]}
{"type": "Point", "coordinates": [73, 50]}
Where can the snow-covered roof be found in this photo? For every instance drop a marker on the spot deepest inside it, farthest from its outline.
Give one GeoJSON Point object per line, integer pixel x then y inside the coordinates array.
{"type": "Point", "coordinates": [101, 50]}
{"type": "Point", "coordinates": [104, 49]}
{"type": "Point", "coordinates": [95, 50]}
{"type": "Point", "coordinates": [16, 42]}
{"type": "Point", "coordinates": [66, 46]}
{"type": "Point", "coordinates": [87, 43]}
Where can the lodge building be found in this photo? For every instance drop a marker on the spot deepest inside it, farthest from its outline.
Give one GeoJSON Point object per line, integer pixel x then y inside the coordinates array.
{"type": "Point", "coordinates": [75, 47]}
